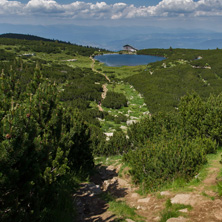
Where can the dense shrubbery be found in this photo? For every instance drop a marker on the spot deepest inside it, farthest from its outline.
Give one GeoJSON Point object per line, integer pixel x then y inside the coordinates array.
{"type": "Point", "coordinates": [5, 55]}
{"type": "Point", "coordinates": [169, 146]}
{"type": "Point", "coordinates": [43, 147]}
{"type": "Point", "coordinates": [163, 89]}
{"type": "Point", "coordinates": [114, 100]}
{"type": "Point", "coordinates": [202, 118]}
{"type": "Point", "coordinates": [165, 147]}
{"type": "Point", "coordinates": [149, 128]}
{"type": "Point", "coordinates": [117, 144]}
{"type": "Point", "coordinates": [164, 160]}
{"type": "Point", "coordinates": [46, 145]}
{"type": "Point", "coordinates": [77, 85]}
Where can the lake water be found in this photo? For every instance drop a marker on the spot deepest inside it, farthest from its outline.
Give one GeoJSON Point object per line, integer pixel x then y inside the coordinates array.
{"type": "Point", "coordinates": [117, 60]}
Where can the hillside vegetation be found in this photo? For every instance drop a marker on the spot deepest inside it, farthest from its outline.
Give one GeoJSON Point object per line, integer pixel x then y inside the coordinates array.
{"type": "Point", "coordinates": [163, 83]}
{"type": "Point", "coordinates": [52, 126]}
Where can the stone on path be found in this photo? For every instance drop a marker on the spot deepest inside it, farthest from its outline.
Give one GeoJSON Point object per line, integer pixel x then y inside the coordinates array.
{"type": "Point", "coordinates": [135, 195]}
{"type": "Point", "coordinates": [123, 183]}
{"type": "Point", "coordinates": [94, 189]}
{"type": "Point", "coordinates": [144, 200]}
{"type": "Point", "coordinates": [186, 199]}
{"type": "Point", "coordinates": [129, 220]}
{"type": "Point", "coordinates": [165, 193]}
{"type": "Point", "coordinates": [184, 210]}
{"type": "Point", "coordinates": [177, 219]}
{"type": "Point", "coordinates": [157, 218]}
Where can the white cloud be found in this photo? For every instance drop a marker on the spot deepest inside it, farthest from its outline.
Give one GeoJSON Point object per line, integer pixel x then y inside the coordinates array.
{"type": "Point", "coordinates": [43, 7]}
{"type": "Point", "coordinates": [102, 10]}
{"type": "Point", "coordinates": [10, 7]}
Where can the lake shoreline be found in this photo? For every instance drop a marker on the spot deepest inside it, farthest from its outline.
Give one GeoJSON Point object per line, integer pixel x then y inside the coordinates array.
{"type": "Point", "coordinates": [118, 60]}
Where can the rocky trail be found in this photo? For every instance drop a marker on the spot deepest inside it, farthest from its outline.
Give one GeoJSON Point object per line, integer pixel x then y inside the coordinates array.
{"type": "Point", "coordinates": [103, 96]}
{"type": "Point", "coordinates": [206, 203]}
{"type": "Point", "coordinates": [104, 86]}
{"type": "Point", "coordinates": [93, 68]}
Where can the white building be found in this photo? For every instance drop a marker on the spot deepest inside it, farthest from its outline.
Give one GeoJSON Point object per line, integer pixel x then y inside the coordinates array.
{"type": "Point", "coordinates": [129, 48]}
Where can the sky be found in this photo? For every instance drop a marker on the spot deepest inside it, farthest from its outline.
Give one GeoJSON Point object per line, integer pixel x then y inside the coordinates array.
{"type": "Point", "coordinates": [166, 14]}
{"type": "Point", "coordinates": [110, 12]}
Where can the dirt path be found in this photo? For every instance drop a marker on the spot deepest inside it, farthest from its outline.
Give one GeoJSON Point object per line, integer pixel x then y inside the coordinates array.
{"type": "Point", "coordinates": [92, 208]}
{"type": "Point", "coordinates": [93, 68]}
{"type": "Point", "coordinates": [103, 95]}
{"type": "Point", "coordinates": [207, 205]}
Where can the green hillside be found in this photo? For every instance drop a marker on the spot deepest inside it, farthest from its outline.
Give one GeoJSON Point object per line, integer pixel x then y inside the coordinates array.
{"type": "Point", "coordinates": [184, 71]}
{"type": "Point", "coordinates": [24, 37]}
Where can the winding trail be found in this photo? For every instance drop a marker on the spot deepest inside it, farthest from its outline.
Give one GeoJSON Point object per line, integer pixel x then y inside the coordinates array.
{"type": "Point", "coordinates": [103, 95]}
{"type": "Point", "coordinates": [104, 86]}
{"type": "Point", "coordinates": [93, 68]}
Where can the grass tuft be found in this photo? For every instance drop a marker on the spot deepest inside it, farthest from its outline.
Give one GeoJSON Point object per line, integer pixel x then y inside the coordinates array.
{"type": "Point", "coordinates": [172, 210]}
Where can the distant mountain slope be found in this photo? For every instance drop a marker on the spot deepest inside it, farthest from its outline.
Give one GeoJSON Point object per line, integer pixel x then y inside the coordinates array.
{"type": "Point", "coordinates": [24, 37]}
{"type": "Point", "coordinates": [34, 44]}
{"type": "Point", "coordinates": [28, 37]}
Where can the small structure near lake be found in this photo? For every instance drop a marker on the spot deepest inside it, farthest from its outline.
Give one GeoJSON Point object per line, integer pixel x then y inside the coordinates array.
{"type": "Point", "coordinates": [129, 48]}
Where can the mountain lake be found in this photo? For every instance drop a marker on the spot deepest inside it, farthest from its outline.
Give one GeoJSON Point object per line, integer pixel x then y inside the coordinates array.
{"type": "Point", "coordinates": [117, 60]}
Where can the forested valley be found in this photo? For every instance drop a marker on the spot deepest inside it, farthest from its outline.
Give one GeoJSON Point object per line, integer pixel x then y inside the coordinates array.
{"type": "Point", "coordinates": [164, 119]}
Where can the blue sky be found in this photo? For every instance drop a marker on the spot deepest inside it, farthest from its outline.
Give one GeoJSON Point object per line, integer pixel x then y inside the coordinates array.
{"type": "Point", "coordinates": [187, 13]}
{"type": "Point", "coordinates": [158, 14]}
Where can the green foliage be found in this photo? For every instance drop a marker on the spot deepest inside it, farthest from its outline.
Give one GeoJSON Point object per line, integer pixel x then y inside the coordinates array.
{"type": "Point", "coordinates": [207, 195]}
{"type": "Point", "coordinates": [117, 144]}
{"type": "Point", "coordinates": [114, 100]}
{"type": "Point", "coordinates": [213, 118]}
{"type": "Point", "coordinates": [98, 139]}
{"type": "Point", "coordinates": [120, 208]}
{"type": "Point", "coordinates": [163, 83]}
{"type": "Point", "coordinates": [6, 55]}
{"type": "Point", "coordinates": [38, 44]}
{"type": "Point", "coordinates": [42, 147]}
{"type": "Point", "coordinates": [168, 147]}
{"type": "Point", "coordinates": [159, 163]}
{"type": "Point", "coordinates": [202, 118]}
{"type": "Point", "coordinates": [172, 210]}
{"type": "Point", "coordinates": [151, 127]}
{"type": "Point", "coordinates": [219, 188]}
{"type": "Point", "coordinates": [192, 111]}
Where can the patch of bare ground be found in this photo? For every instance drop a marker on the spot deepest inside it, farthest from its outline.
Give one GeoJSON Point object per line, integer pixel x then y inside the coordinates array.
{"type": "Point", "coordinates": [92, 208]}
{"type": "Point", "coordinates": [103, 96]}
{"type": "Point", "coordinates": [205, 208]}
